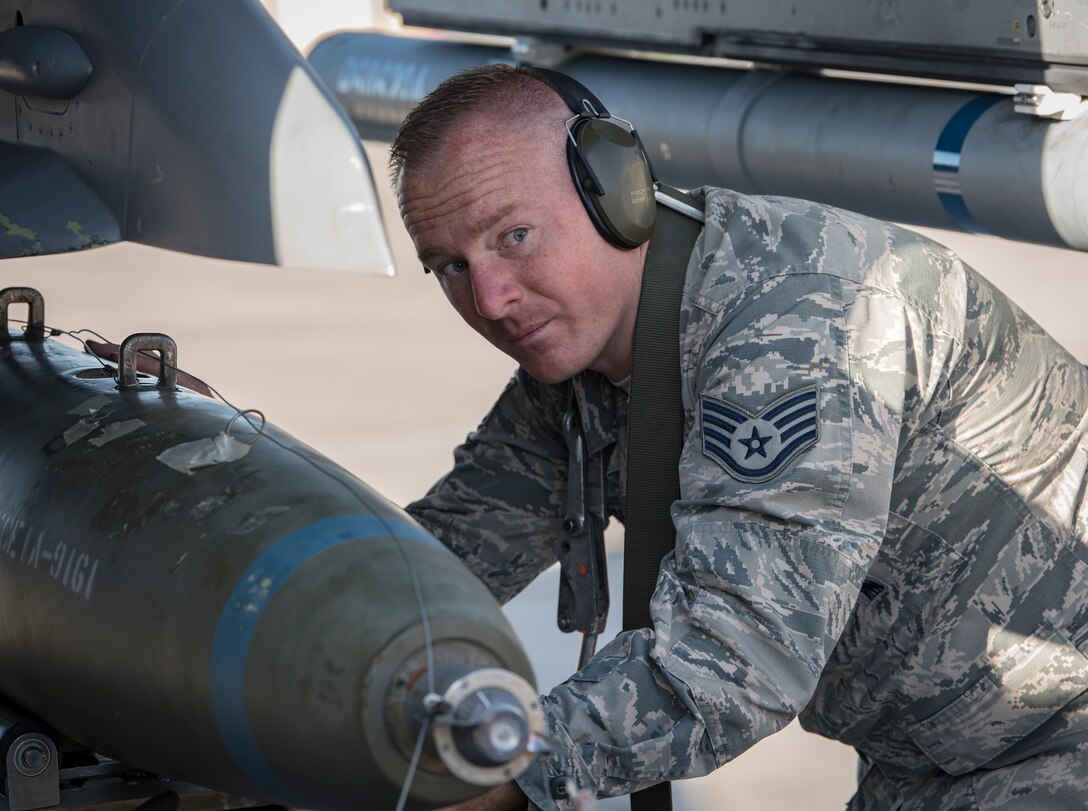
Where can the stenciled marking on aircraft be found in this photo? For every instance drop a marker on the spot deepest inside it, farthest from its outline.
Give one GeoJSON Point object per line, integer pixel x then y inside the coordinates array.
{"type": "Point", "coordinates": [386, 80]}
{"type": "Point", "coordinates": [946, 160]}
{"type": "Point", "coordinates": [241, 615]}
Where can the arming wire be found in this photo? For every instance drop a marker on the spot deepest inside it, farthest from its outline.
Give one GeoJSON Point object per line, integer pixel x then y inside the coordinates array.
{"type": "Point", "coordinates": [414, 764]}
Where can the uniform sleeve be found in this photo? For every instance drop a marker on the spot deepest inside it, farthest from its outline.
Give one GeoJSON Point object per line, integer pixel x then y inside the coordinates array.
{"type": "Point", "coordinates": [795, 397]}
{"type": "Point", "coordinates": [500, 508]}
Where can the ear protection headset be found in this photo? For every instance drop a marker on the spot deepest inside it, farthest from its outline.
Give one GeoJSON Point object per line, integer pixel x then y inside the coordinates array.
{"type": "Point", "coordinates": [608, 164]}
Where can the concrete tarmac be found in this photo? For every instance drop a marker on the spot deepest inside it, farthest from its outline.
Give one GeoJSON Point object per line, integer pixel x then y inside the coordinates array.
{"type": "Point", "coordinates": [381, 376]}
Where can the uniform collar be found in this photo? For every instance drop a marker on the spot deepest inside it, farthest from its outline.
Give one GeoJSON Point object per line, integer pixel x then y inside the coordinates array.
{"type": "Point", "coordinates": [600, 404]}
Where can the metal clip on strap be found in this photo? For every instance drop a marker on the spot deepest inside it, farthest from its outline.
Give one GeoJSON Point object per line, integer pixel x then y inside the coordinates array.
{"type": "Point", "coordinates": [583, 573]}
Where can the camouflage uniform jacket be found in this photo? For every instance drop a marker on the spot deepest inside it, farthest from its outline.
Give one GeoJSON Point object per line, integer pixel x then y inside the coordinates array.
{"type": "Point", "coordinates": [881, 522]}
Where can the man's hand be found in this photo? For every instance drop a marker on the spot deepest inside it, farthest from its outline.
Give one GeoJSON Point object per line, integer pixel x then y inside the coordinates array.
{"type": "Point", "coordinates": [147, 365]}
{"type": "Point", "coordinates": [507, 797]}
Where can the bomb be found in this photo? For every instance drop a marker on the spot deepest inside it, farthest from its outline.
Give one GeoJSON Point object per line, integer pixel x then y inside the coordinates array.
{"type": "Point", "coordinates": [203, 596]}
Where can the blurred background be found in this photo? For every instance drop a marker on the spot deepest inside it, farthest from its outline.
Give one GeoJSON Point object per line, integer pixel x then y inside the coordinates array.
{"type": "Point", "coordinates": [381, 376]}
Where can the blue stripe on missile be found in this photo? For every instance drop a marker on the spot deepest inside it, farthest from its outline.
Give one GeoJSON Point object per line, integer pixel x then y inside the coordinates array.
{"type": "Point", "coordinates": [238, 622]}
{"type": "Point", "coordinates": [956, 207]}
{"type": "Point", "coordinates": [946, 160]}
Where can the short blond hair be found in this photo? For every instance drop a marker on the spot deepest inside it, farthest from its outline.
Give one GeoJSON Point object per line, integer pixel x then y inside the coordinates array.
{"type": "Point", "coordinates": [508, 92]}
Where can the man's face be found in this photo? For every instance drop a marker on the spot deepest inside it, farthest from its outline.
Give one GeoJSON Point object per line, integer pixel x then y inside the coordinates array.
{"type": "Point", "coordinates": [499, 223]}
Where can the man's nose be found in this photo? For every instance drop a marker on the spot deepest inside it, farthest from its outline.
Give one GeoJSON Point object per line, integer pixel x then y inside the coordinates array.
{"type": "Point", "coordinates": [494, 288]}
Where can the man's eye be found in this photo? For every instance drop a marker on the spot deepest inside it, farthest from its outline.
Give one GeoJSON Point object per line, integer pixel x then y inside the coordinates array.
{"type": "Point", "coordinates": [518, 235]}
{"type": "Point", "coordinates": [451, 269]}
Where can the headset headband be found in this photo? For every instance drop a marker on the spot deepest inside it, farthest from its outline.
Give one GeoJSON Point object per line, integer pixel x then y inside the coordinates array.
{"type": "Point", "coordinates": [576, 95]}
{"type": "Point", "coordinates": [608, 164]}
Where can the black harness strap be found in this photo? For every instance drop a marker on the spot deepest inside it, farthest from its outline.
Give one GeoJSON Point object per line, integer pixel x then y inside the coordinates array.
{"type": "Point", "coordinates": [655, 431]}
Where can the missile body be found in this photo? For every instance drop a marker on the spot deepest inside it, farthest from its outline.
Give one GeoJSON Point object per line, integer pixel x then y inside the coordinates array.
{"type": "Point", "coordinates": [930, 156]}
{"type": "Point", "coordinates": [258, 625]}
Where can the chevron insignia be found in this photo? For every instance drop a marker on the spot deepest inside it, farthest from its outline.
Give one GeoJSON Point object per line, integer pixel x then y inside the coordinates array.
{"type": "Point", "coordinates": [756, 447]}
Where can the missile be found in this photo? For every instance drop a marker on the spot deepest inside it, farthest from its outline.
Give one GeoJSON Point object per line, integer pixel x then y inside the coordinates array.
{"type": "Point", "coordinates": [938, 157]}
{"type": "Point", "coordinates": [198, 594]}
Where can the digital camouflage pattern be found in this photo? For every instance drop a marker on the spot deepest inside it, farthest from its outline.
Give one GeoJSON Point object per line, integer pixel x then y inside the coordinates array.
{"type": "Point", "coordinates": [912, 584]}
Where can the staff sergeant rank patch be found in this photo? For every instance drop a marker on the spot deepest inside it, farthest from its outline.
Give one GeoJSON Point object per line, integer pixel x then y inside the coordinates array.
{"type": "Point", "coordinates": [756, 447]}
